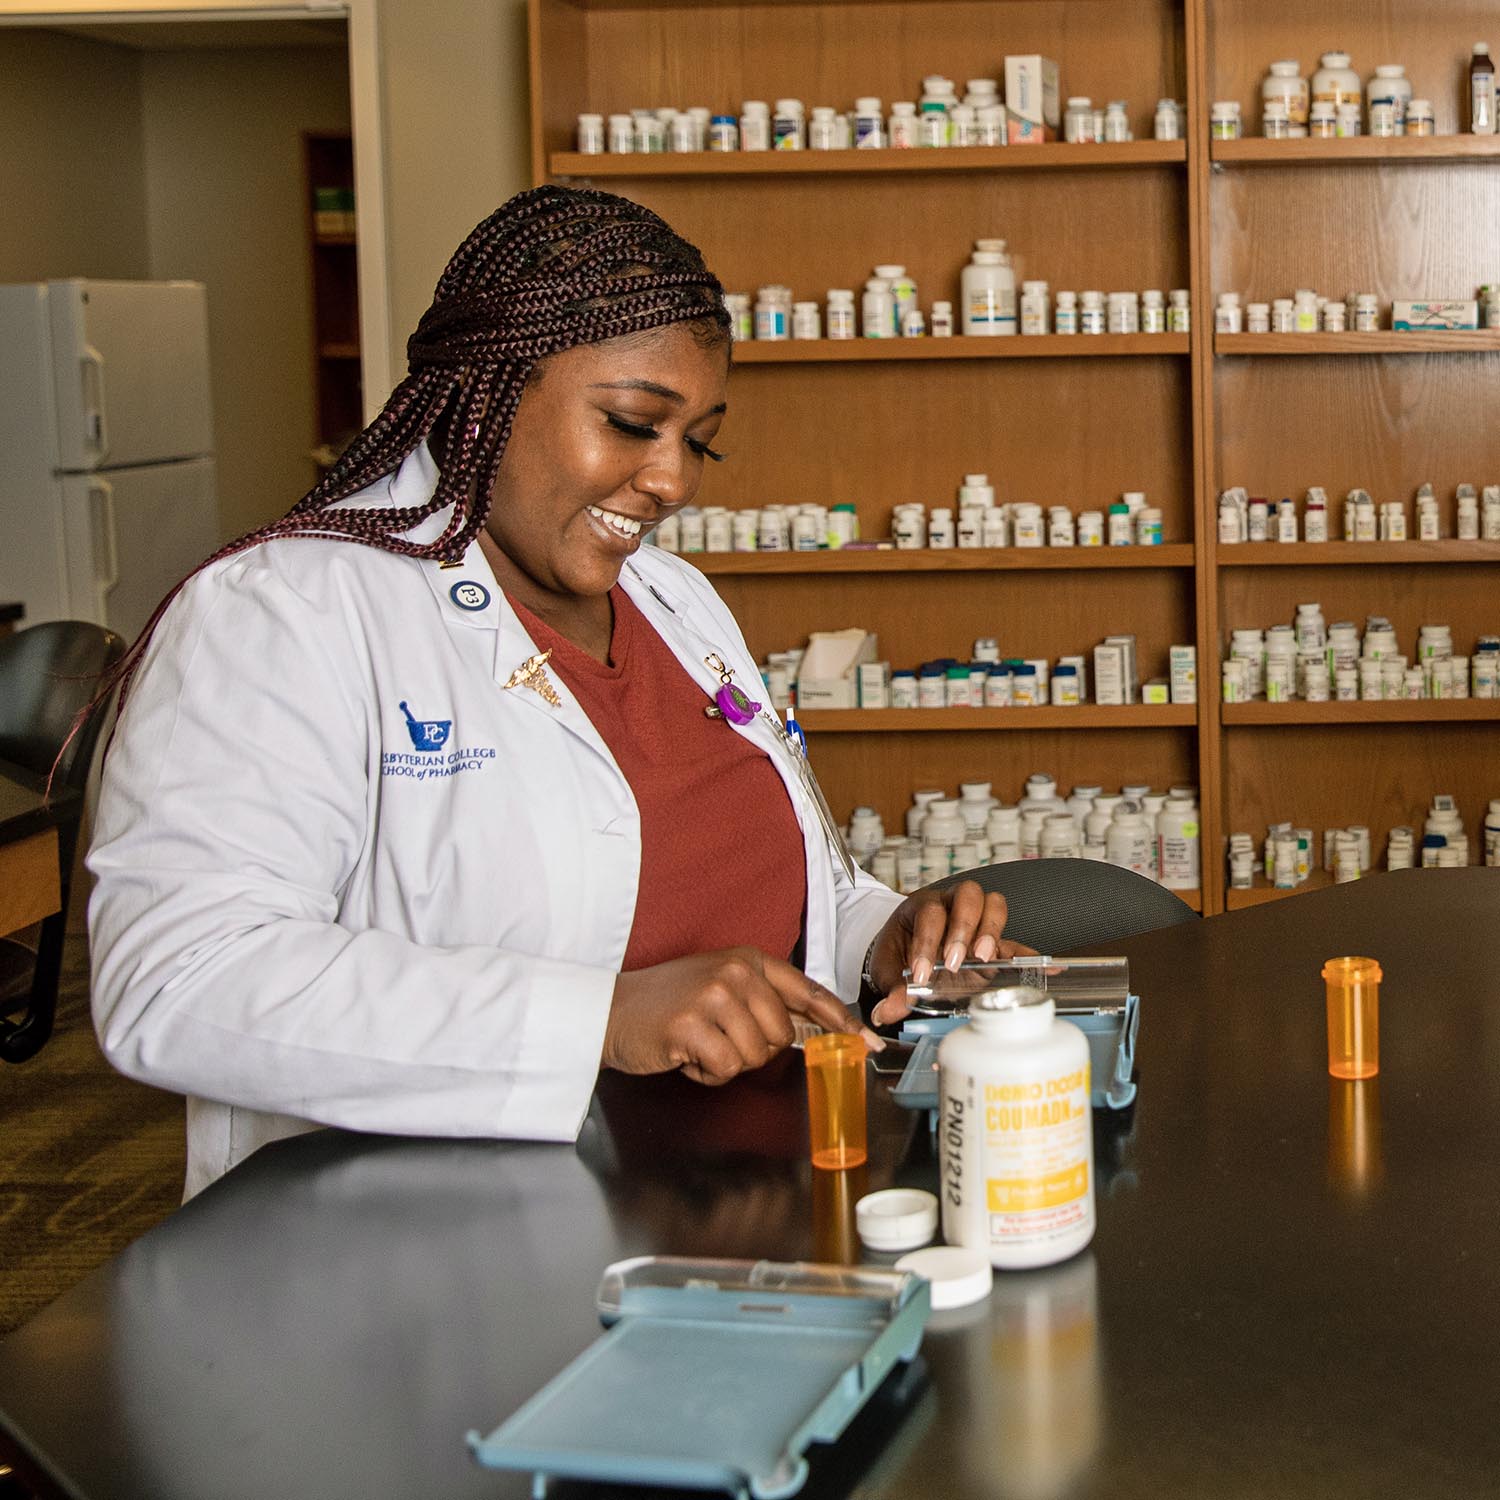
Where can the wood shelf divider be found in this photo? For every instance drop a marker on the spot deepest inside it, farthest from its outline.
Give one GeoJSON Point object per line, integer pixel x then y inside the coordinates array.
{"type": "Point", "coordinates": [1255, 151]}
{"type": "Point", "coordinates": [1054, 156]}
{"type": "Point", "coordinates": [1392, 711]}
{"type": "Point", "coordinates": [1360, 554]}
{"type": "Point", "coordinates": [1386, 341]}
{"type": "Point", "coordinates": [926, 720]}
{"type": "Point", "coordinates": [946, 560]}
{"type": "Point", "coordinates": [1035, 346]}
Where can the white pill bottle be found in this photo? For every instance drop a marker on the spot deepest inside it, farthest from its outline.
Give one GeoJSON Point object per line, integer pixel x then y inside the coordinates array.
{"type": "Point", "coordinates": [1015, 1132]}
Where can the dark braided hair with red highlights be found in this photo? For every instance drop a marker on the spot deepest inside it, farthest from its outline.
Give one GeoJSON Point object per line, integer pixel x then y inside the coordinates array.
{"type": "Point", "coordinates": [549, 270]}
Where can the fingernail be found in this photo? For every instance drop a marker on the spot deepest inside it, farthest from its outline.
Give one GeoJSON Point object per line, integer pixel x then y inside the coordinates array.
{"type": "Point", "coordinates": [984, 949]}
{"type": "Point", "coordinates": [921, 971]}
{"type": "Point", "coordinates": [953, 957]}
{"type": "Point", "coordinates": [873, 1042]}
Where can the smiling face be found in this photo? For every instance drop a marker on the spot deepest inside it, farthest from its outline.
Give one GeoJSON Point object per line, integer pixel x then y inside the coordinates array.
{"type": "Point", "coordinates": [607, 441]}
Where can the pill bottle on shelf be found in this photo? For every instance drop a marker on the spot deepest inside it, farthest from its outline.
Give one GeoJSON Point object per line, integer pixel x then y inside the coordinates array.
{"type": "Point", "coordinates": [988, 287]}
{"type": "Point", "coordinates": [1420, 119]}
{"type": "Point", "coordinates": [1322, 121]}
{"type": "Point", "coordinates": [1224, 120]}
{"type": "Point", "coordinates": [903, 125]}
{"type": "Point", "coordinates": [1078, 121]}
{"type": "Point", "coordinates": [1285, 85]}
{"type": "Point", "coordinates": [1335, 82]}
{"type": "Point", "coordinates": [1391, 86]}
{"type": "Point", "coordinates": [755, 125]}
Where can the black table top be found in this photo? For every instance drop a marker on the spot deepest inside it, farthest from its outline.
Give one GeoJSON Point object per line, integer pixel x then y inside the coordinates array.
{"type": "Point", "coordinates": [24, 806]}
{"type": "Point", "coordinates": [1292, 1290]}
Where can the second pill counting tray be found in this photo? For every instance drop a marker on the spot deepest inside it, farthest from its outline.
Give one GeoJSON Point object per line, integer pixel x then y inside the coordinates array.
{"type": "Point", "coordinates": [715, 1374]}
{"type": "Point", "coordinates": [1092, 994]}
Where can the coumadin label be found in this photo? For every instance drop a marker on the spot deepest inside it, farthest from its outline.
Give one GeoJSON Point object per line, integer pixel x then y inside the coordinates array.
{"type": "Point", "coordinates": [1031, 1164]}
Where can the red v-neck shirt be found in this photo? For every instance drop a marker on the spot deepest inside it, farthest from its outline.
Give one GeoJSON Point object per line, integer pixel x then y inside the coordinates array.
{"type": "Point", "coordinates": [722, 861]}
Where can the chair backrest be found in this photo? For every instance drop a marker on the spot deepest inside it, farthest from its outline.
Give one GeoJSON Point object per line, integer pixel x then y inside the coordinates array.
{"type": "Point", "coordinates": [1058, 905]}
{"type": "Point", "coordinates": [47, 673]}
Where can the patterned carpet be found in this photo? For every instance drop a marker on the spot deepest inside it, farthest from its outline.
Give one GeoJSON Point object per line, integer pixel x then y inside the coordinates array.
{"type": "Point", "coordinates": [88, 1160]}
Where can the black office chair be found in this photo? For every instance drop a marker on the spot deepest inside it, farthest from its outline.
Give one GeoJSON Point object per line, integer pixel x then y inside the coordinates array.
{"type": "Point", "coordinates": [1057, 905]}
{"type": "Point", "coordinates": [47, 674]}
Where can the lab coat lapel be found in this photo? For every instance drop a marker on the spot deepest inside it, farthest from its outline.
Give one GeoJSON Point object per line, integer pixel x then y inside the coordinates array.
{"type": "Point", "coordinates": [470, 598]}
{"type": "Point", "coordinates": [679, 624]}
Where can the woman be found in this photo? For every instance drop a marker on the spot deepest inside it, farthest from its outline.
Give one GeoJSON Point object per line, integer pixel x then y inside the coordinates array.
{"type": "Point", "coordinates": [416, 835]}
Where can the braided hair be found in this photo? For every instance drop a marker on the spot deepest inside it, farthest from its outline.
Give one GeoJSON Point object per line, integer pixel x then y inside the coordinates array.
{"type": "Point", "coordinates": [549, 270]}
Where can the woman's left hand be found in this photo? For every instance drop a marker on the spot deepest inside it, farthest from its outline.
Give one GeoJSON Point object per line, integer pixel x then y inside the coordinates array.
{"type": "Point", "coordinates": [936, 927]}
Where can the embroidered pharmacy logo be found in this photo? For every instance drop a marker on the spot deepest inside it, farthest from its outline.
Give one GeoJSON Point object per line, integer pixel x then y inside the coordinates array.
{"type": "Point", "coordinates": [427, 734]}
{"type": "Point", "coordinates": [469, 595]}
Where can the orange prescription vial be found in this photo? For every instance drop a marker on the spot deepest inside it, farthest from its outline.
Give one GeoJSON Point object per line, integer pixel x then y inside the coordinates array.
{"type": "Point", "coordinates": [836, 1099]}
{"type": "Point", "coordinates": [1353, 1016]}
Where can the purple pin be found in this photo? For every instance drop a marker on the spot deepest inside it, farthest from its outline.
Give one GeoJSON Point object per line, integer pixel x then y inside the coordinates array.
{"type": "Point", "coordinates": [735, 704]}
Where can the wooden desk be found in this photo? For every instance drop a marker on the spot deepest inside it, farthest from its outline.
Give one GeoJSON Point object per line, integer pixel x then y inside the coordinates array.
{"type": "Point", "coordinates": [1291, 1292]}
{"type": "Point", "coordinates": [30, 885]}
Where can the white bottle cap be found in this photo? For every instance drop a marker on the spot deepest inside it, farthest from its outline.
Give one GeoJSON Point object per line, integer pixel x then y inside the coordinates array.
{"type": "Point", "coordinates": [958, 1276]}
{"type": "Point", "coordinates": [896, 1218]}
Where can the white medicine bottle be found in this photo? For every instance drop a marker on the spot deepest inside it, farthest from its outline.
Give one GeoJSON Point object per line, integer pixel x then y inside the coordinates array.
{"type": "Point", "coordinates": [1285, 84]}
{"type": "Point", "coordinates": [988, 287]}
{"type": "Point", "coordinates": [1015, 1134]}
{"type": "Point", "coordinates": [1336, 82]}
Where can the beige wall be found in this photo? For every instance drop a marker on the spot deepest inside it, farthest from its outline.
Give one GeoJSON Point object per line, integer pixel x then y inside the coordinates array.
{"type": "Point", "coordinates": [225, 205]}
{"type": "Point", "coordinates": [72, 197]}
{"type": "Point", "coordinates": [456, 136]}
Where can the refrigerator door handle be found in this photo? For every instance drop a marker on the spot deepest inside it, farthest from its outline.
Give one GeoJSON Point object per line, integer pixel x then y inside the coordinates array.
{"type": "Point", "coordinates": [95, 429]}
{"type": "Point", "coordinates": [102, 493]}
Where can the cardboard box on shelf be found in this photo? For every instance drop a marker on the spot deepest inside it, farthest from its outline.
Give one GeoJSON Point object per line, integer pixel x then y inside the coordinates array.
{"type": "Point", "coordinates": [829, 673]}
{"type": "Point", "coordinates": [1031, 99]}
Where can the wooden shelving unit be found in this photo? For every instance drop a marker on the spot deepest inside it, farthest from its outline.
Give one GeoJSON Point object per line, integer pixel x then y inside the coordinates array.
{"type": "Point", "coordinates": [329, 163]}
{"type": "Point", "coordinates": [1080, 420]}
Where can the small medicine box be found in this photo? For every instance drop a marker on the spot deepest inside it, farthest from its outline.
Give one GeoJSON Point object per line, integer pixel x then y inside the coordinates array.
{"type": "Point", "coordinates": [829, 673]}
{"type": "Point", "coordinates": [1434, 316]}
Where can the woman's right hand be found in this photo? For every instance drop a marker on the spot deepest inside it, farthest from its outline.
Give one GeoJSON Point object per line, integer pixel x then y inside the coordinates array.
{"type": "Point", "coordinates": [715, 1015]}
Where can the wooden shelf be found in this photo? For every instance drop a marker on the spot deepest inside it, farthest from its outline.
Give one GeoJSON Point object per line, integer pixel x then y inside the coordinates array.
{"type": "Point", "coordinates": [948, 560]}
{"type": "Point", "coordinates": [334, 239]}
{"type": "Point", "coordinates": [1335, 554]}
{"type": "Point", "coordinates": [335, 350]}
{"type": "Point", "coordinates": [1054, 156]}
{"type": "Point", "coordinates": [922, 720]}
{"type": "Point", "coordinates": [1396, 711]}
{"type": "Point", "coordinates": [1364, 148]}
{"type": "Point", "coordinates": [1016, 346]}
{"type": "Point", "coordinates": [1460, 341]}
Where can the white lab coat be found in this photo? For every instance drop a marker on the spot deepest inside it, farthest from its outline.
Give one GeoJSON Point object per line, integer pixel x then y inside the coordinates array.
{"type": "Point", "coordinates": [309, 911]}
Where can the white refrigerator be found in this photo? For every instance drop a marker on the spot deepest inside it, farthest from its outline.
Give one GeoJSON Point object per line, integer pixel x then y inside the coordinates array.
{"type": "Point", "coordinates": [107, 488]}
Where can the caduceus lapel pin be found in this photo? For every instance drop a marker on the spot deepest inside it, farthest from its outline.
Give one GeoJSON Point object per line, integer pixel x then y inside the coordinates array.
{"type": "Point", "coordinates": [532, 674]}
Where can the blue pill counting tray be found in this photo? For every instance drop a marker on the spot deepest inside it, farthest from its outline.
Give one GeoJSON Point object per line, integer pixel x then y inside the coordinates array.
{"type": "Point", "coordinates": [1092, 994]}
{"type": "Point", "coordinates": [715, 1374]}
